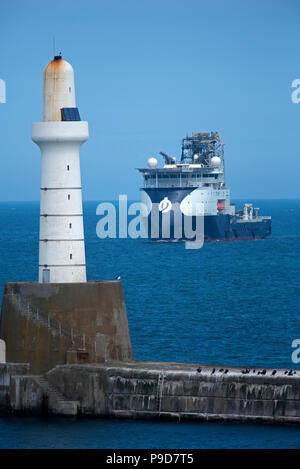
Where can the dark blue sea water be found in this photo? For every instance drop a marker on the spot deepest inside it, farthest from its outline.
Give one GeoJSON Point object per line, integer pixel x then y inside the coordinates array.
{"type": "Point", "coordinates": [227, 303]}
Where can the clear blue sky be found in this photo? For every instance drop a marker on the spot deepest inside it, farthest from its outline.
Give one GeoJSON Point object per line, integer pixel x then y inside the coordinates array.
{"type": "Point", "coordinates": [147, 72]}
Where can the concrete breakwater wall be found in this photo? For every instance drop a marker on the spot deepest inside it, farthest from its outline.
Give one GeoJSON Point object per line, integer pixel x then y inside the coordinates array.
{"type": "Point", "coordinates": [162, 390]}
{"type": "Point", "coordinates": [41, 322]}
{"type": "Point", "coordinates": [7, 371]}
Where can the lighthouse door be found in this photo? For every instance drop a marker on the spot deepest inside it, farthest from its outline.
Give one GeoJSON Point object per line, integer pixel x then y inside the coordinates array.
{"type": "Point", "coordinates": [46, 275]}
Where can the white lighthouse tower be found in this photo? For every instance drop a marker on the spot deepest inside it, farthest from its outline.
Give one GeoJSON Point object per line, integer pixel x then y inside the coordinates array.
{"type": "Point", "coordinates": [59, 136]}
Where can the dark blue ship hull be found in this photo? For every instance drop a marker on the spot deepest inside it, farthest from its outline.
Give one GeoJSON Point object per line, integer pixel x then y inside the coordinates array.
{"type": "Point", "coordinates": [219, 227]}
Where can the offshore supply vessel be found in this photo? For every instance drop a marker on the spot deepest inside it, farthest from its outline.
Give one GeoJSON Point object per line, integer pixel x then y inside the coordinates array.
{"type": "Point", "coordinates": [197, 179]}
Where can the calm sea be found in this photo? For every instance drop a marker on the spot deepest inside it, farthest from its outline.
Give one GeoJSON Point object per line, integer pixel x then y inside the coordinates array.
{"type": "Point", "coordinates": [227, 304]}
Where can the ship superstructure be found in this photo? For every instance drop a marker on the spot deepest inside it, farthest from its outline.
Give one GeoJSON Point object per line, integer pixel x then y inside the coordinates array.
{"type": "Point", "coordinates": [199, 177]}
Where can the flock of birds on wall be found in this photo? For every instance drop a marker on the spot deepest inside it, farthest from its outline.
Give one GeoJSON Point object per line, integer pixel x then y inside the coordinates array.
{"type": "Point", "coordinates": [248, 370]}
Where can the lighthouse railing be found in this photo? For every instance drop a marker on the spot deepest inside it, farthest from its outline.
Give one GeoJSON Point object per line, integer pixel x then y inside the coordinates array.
{"type": "Point", "coordinates": [77, 340]}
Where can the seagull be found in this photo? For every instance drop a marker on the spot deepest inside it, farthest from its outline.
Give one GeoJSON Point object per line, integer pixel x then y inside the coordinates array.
{"type": "Point", "coordinates": [273, 372]}
{"type": "Point", "coordinates": [226, 371]}
{"type": "Point", "coordinates": [290, 373]}
{"type": "Point", "coordinates": [213, 371]}
{"type": "Point", "coordinates": [263, 372]}
{"type": "Point", "coordinates": [221, 370]}
{"type": "Point", "coordinates": [199, 370]}
{"type": "Point", "coordinates": [118, 278]}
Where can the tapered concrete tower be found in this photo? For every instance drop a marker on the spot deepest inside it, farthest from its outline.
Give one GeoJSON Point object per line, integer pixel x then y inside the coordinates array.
{"type": "Point", "coordinates": [62, 318]}
{"type": "Point", "coordinates": [60, 136]}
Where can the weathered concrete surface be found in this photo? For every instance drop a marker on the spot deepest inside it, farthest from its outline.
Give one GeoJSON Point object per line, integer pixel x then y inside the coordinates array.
{"type": "Point", "coordinates": [2, 351]}
{"type": "Point", "coordinates": [26, 396]}
{"type": "Point", "coordinates": [181, 391]}
{"type": "Point", "coordinates": [7, 371]}
{"type": "Point", "coordinates": [41, 322]}
{"type": "Point", "coordinates": [151, 390]}
{"type": "Point", "coordinates": [34, 395]}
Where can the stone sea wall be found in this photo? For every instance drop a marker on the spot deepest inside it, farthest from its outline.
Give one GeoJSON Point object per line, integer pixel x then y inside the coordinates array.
{"type": "Point", "coordinates": [7, 371]}
{"type": "Point", "coordinates": [42, 323]}
{"type": "Point", "coordinates": [152, 390]}
{"type": "Point", "coordinates": [181, 391]}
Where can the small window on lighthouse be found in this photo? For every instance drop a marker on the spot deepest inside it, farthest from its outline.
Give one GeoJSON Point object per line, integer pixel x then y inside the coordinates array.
{"type": "Point", "coordinates": [70, 225]}
{"type": "Point", "coordinates": [69, 89]}
{"type": "Point", "coordinates": [70, 256]}
{"type": "Point", "coordinates": [69, 197]}
{"type": "Point", "coordinates": [68, 168]}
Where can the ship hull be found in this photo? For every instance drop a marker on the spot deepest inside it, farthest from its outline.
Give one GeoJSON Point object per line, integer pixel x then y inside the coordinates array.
{"type": "Point", "coordinates": [219, 227]}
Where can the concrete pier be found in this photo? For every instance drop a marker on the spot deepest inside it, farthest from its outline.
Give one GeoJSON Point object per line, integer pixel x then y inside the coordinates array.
{"type": "Point", "coordinates": [69, 353]}
{"type": "Point", "coordinates": [152, 390]}
{"type": "Point", "coordinates": [46, 324]}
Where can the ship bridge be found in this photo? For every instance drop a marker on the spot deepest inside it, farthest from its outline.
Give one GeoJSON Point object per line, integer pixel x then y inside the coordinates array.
{"type": "Point", "coordinates": [182, 176]}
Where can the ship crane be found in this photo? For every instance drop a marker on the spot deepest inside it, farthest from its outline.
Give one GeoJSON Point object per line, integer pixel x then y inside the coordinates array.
{"type": "Point", "coordinates": [168, 159]}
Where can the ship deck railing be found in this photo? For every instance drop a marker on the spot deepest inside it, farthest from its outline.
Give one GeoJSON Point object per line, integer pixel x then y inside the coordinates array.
{"type": "Point", "coordinates": [254, 219]}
